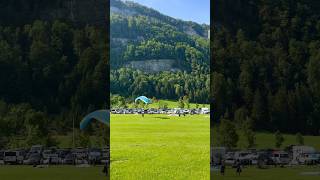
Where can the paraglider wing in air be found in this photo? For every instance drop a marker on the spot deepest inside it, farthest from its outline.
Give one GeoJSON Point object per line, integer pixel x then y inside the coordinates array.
{"type": "Point", "coordinates": [102, 116]}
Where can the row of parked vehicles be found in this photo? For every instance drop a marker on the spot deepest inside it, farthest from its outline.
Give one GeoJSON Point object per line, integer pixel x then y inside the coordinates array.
{"type": "Point", "coordinates": [292, 155]}
{"type": "Point", "coordinates": [37, 154]}
{"type": "Point", "coordinates": [161, 111]}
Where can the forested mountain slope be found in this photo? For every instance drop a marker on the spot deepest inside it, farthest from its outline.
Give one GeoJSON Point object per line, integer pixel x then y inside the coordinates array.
{"type": "Point", "coordinates": [266, 63]}
{"type": "Point", "coordinates": [146, 40]}
{"type": "Point", "coordinates": [52, 71]}
{"type": "Point", "coordinates": [79, 12]}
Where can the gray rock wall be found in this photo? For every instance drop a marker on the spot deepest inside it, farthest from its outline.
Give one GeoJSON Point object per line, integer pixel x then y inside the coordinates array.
{"type": "Point", "coordinates": [154, 65]}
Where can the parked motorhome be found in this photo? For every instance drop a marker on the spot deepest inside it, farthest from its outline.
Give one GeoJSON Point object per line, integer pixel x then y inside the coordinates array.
{"type": "Point", "coordinates": [229, 159]}
{"type": "Point", "coordinates": [50, 156]}
{"type": "Point", "coordinates": [36, 149]}
{"type": "Point", "coordinates": [33, 159]}
{"type": "Point", "coordinates": [299, 151]}
{"type": "Point", "coordinates": [68, 159]}
{"type": "Point", "coordinates": [14, 157]}
{"type": "Point", "coordinates": [81, 155]}
{"type": "Point", "coordinates": [280, 157]}
{"type": "Point", "coordinates": [205, 111]}
{"type": "Point", "coordinates": [309, 158]}
{"type": "Point", "coordinates": [265, 158]}
{"type": "Point", "coordinates": [244, 157]}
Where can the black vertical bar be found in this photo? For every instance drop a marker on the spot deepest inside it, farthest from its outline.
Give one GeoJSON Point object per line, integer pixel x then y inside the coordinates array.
{"type": "Point", "coordinates": [211, 101]}
{"type": "Point", "coordinates": [107, 26]}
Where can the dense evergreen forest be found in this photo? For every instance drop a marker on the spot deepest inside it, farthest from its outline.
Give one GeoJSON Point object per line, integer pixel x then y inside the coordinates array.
{"type": "Point", "coordinates": [139, 33]}
{"type": "Point", "coordinates": [266, 64]}
{"type": "Point", "coordinates": [51, 73]}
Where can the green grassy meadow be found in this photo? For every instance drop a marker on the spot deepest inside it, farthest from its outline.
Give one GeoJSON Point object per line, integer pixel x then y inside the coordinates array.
{"type": "Point", "coordinates": [267, 140]}
{"type": "Point", "coordinates": [292, 173]}
{"type": "Point", "coordinates": [171, 104]}
{"type": "Point", "coordinates": [160, 147]}
{"type": "Point", "coordinates": [51, 173]}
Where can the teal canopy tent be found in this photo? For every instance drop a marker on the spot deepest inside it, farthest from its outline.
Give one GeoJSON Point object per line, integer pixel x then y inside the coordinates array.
{"type": "Point", "coordinates": [143, 99]}
{"type": "Point", "coordinates": [102, 116]}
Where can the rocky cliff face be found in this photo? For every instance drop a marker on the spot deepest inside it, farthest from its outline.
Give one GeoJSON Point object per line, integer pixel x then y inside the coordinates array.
{"type": "Point", "coordinates": [154, 65]}
{"type": "Point", "coordinates": [15, 12]}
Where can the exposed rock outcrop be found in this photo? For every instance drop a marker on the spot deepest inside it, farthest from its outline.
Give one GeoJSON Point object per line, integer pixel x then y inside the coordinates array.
{"type": "Point", "coordinates": [154, 65]}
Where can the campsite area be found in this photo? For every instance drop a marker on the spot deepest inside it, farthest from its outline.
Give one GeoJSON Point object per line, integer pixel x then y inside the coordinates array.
{"type": "Point", "coordinates": [292, 173]}
{"type": "Point", "coordinates": [159, 145]}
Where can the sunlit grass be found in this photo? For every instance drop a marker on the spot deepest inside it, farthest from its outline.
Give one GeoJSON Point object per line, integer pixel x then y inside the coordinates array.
{"type": "Point", "coordinates": [160, 147]}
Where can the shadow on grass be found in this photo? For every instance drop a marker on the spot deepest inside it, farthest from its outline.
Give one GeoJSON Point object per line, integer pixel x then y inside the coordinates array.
{"type": "Point", "coordinates": [162, 117]}
{"type": "Point", "coordinates": [119, 160]}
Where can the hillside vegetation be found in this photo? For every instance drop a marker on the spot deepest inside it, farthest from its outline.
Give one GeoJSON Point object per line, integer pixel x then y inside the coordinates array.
{"type": "Point", "coordinates": [139, 33]}
{"type": "Point", "coordinates": [266, 65]}
{"type": "Point", "coordinates": [51, 73]}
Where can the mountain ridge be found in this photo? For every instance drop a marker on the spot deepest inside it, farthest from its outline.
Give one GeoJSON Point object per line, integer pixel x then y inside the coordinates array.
{"type": "Point", "coordinates": [139, 33]}
{"type": "Point", "coordinates": [130, 8]}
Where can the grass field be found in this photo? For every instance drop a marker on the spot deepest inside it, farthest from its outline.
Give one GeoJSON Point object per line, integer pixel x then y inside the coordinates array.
{"type": "Point", "coordinates": [171, 104]}
{"type": "Point", "coordinates": [51, 173]}
{"type": "Point", "coordinates": [293, 173]}
{"type": "Point", "coordinates": [267, 140]}
{"type": "Point", "coordinates": [160, 147]}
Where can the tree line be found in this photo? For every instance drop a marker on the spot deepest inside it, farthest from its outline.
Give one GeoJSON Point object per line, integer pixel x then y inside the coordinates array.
{"type": "Point", "coordinates": [163, 85]}
{"type": "Point", "coordinates": [269, 73]}
{"type": "Point", "coordinates": [50, 73]}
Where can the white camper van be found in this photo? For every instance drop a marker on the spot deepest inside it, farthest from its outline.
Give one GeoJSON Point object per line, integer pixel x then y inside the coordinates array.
{"type": "Point", "coordinates": [299, 153]}
{"type": "Point", "coordinates": [13, 157]}
{"type": "Point", "coordinates": [205, 111]}
{"type": "Point", "coordinates": [280, 157]}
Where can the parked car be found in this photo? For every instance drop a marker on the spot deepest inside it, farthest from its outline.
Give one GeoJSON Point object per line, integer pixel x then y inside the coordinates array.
{"type": "Point", "coordinates": [94, 156]}
{"type": "Point", "coordinates": [50, 156]}
{"type": "Point", "coordinates": [68, 159]}
{"type": "Point", "coordinates": [244, 157]}
{"type": "Point", "coordinates": [62, 153]}
{"type": "Point", "coordinates": [186, 111]}
{"type": "Point", "coordinates": [205, 111]}
{"type": "Point", "coordinates": [105, 155]}
{"type": "Point", "coordinates": [80, 152]}
{"type": "Point", "coordinates": [265, 158]}
{"type": "Point", "coordinates": [34, 158]}
{"type": "Point", "coordinates": [229, 159]}
{"type": "Point", "coordinates": [81, 155]}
